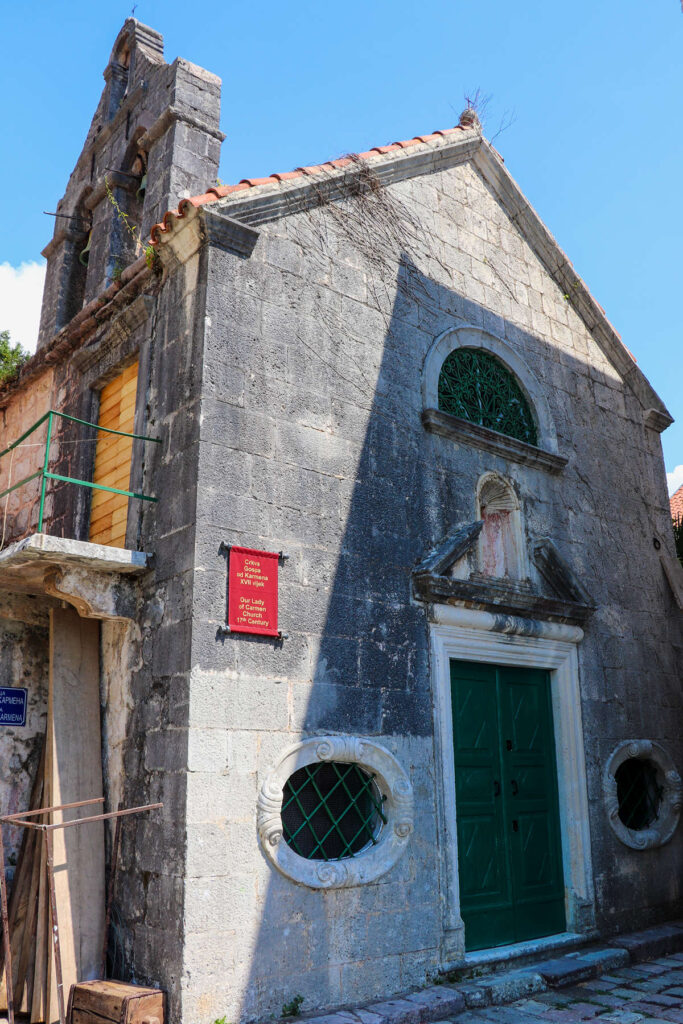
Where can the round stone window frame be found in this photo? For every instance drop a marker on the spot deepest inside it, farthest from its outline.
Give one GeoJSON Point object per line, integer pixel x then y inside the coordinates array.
{"type": "Point", "coordinates": [372, 862]}
{"type": "Point", "coordinates": [660, 831]}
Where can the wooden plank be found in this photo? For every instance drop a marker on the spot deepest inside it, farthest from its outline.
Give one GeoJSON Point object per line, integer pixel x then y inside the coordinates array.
{"type": "Point", "coordinates": [38, 1002]}
{"type": "Point", "coordinates": [25, 967]}
{"type": "Point", "coordinates": [111, 446]}
{"type": "Point", "coordinates": [105, 508]}
{"type": "Point", "coordinates": [118, 415]}
{"type": "Point", "coordinates": [75, 772]}
{"type": "Point", "coordinates": [118, 389]}
{"type": "Point", "coordinates": [103, 537]}
{"type": "Point", "coordinates": [115, 455]}
{"type": "Point", "coordinates": [20, 963]}
{"type": "Point", "coordinates": [16, 912]}
{"type": "Point", "coordinates": [113, 458]}
{"type": "Point", "coordinates": [118, 475]}
{"type": "Point", "coordinates": [20, 895]}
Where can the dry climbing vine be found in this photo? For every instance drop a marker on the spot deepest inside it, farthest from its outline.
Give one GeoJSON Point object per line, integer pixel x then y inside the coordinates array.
{"type": "Point", "coordinates": [382, 232]}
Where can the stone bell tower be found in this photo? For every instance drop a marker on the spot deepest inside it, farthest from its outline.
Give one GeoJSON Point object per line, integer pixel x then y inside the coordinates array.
{"type": "Point", "coordinates": [154, 138]}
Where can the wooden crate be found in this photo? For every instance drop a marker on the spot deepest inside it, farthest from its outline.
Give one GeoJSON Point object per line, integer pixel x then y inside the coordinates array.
{"type": "Point", "coordinates": [96, 1002]}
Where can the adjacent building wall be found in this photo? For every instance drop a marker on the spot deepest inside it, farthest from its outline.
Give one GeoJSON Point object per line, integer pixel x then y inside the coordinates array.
{"type": "Point", "coordinates": [19, 510]}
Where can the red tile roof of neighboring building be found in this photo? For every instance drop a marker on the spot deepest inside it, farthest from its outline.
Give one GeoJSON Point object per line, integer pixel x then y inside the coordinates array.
{"type": "Point", "coordinates": [221, 191]}
{"type": "Point", "coordinates": [676, 502]}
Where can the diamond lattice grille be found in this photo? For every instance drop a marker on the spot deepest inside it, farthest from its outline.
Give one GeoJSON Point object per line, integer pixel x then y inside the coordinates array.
{"type": "Point", "coordinates": [331, 810]}
{"type": "Point", "coordinates": [474, 385]}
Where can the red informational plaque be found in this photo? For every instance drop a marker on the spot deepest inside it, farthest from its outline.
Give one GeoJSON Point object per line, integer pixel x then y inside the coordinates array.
{"type": "Point", "coordinates": [252, 591]}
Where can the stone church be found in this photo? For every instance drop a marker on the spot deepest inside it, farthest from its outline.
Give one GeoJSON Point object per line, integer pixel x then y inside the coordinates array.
{"type": "Point", "coordinates": [461, 731]}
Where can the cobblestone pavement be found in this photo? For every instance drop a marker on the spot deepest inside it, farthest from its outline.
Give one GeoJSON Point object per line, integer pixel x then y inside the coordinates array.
{"type": "Point", "coordinates": [651, 992]}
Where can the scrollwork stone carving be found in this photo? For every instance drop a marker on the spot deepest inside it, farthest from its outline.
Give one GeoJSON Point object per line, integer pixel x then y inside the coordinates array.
{"type": "Point", "coordinates": [663, 827]}
{"type": "Point", "coordinates": [370, 863]}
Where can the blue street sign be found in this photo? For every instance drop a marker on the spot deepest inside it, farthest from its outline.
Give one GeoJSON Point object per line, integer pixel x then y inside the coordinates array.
{"type": "Point", "coordinates": [12, 705]}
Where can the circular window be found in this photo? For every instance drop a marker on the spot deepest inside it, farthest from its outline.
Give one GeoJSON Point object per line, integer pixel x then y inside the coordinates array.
{"type": "Point", "coordinates": [643, 793]}
{"type": "Point", "coordinates": [638, 792]}
{"type": "Point", "coordinates": [335, 811]}
{"type": "Point", "coordinates": [331, 810]}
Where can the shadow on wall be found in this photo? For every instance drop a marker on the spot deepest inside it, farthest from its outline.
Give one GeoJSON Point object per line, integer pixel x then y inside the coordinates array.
{"type": "Point", "coordinates": [371, 667]}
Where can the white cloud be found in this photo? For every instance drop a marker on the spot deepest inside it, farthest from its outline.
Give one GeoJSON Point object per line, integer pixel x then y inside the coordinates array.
{"type": "Point", "coordinates": [675, 479]}
{"type": "Point", "coordinates": [21, 293]}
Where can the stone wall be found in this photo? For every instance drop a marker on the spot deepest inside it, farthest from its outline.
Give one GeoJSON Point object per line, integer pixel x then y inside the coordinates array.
{"type": "Point", "coordinates": [311, 442]}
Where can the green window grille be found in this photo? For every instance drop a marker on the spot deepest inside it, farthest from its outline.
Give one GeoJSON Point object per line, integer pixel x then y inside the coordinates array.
{"type": "Point", "coordinates": [474, 385]}
{"type": "Point", "coordinates": [638, 792]}
{"type": "Point", "coordinates": [331, 810]}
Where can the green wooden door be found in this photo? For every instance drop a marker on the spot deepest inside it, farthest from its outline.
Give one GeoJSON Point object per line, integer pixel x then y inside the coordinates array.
{"type": "Point", "coordinates": [509, 854]}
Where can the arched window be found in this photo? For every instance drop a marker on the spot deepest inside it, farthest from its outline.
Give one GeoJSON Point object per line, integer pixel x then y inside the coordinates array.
{"type": "Point", "coordinates": [476, 386]}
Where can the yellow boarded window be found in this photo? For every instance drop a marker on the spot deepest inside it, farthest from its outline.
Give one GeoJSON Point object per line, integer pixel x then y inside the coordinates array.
{"type": "Point", "coordinates": [109, 512]}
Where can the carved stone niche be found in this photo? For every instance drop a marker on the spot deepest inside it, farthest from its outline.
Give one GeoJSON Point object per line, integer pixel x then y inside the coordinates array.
{"type": "Point", "coordinates": [652, 821]}
{"type": "Point", "coordinates": [370, 863]}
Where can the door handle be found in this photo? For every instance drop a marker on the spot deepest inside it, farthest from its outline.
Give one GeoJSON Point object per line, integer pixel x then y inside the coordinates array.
{"type": "Point", "coordinates": [515, 787]}
{"type": "Point", "coordinates": [515, 825]}
{"type": "Point", "coordinates": [496, 787]}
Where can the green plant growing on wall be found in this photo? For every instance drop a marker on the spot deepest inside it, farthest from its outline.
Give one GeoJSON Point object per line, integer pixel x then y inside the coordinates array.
{"type": "Point", "coordinates": [132, 229]}
{"type": "Point", "coordinates": [12, 357]}
{"type": "Point", "coordinates": [678, 537]}
{"type": "Point", "coordinates": [293, 1007]}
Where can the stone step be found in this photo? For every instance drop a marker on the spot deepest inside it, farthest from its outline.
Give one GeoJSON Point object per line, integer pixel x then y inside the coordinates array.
{"type": "Point", "coordinates": [663, 940]}
{"type": "Point", "coordinates": [450, 1000]}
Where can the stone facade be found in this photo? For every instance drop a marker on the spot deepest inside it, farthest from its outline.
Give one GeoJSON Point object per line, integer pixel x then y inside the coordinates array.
{"type": "Point", "coordinates": [284, 338]}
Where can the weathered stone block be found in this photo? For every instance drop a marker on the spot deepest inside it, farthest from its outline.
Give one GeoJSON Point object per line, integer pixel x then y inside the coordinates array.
{"type": "Point", "coordinates": [505, 988]}
{"type": "Point", "coordinates": [397, 1011]}
{"type": "Point", "coordinates": [653, 942]}
{"type": "Point", "coordinates": [438, 1002]}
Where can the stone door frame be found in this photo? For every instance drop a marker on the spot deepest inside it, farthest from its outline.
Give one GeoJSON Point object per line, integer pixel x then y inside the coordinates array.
{"type": "Point", "coordinates": [468, 635]}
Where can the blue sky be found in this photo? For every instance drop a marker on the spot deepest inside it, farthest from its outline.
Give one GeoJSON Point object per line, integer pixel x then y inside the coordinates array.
{"type": "Point", "coordinates": [595, 89]}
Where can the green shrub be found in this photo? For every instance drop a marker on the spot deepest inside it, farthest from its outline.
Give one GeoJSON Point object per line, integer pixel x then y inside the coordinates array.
{"type": "Point", "coordinates": [12, 357]}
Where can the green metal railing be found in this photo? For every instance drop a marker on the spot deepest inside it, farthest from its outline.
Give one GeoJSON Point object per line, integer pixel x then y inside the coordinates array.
{"type": "Point", "coordinates": [44, 471]}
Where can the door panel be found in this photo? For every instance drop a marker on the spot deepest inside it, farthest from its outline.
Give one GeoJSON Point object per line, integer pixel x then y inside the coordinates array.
{"type": "Point", "coordinates": [509, 854]}
{"type": "Point", "coordinates": [484, 879]}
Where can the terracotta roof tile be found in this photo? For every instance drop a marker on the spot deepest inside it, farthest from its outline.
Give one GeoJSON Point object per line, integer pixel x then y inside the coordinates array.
{"type": "Point", "coordinates": [221, 191]}
{"type": "Point", "coordinates": [676, 503]}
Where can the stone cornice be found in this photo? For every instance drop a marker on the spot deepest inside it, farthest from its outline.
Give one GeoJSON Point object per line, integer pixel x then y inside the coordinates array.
{"type": "Point", "coordinates": [228, 233]}
{"type": "Point", "coordinates": [464, 432]}
{"type": "Point", "coordinates": [168, 117]}
{"type": "Point", "coordinates": [265, 203]}
{"type": "Point", "coordinates": [532, 228]}
{"type": "Point", "coordinates": [494, 596]}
